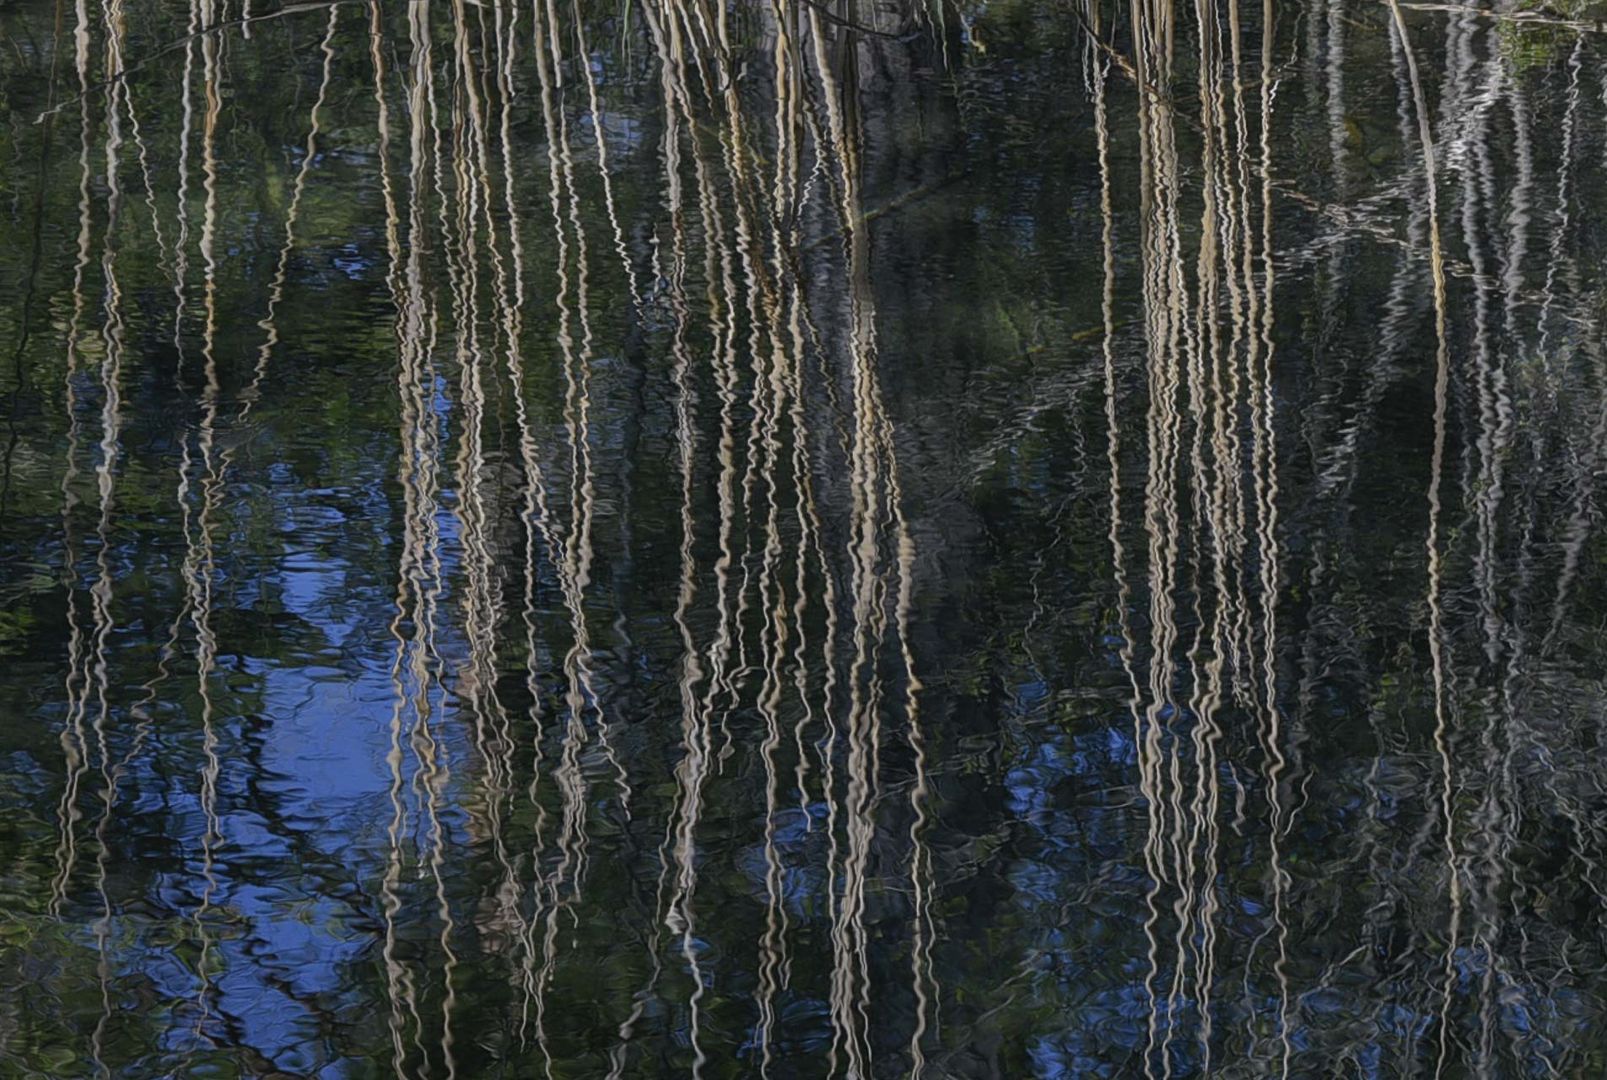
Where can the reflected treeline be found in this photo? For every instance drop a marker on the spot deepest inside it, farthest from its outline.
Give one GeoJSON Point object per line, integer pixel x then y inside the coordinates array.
{"type": "Point", "coordinates": [551, 538]}
{"type": "Point", "coordinates": [796, 559]}
{"type": "Point", "coordinates": [1210, 509]}
{"type": "Point", "coordinates": [791, 610]}
{"type": "Point", "coordinates": [1431, 937]}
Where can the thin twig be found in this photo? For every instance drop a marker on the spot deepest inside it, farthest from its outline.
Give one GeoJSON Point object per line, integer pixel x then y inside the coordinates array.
{"type": "Point", "coordinates": [1531, 18]}
{"type": "Point", "coordinates": [831, 17]}
{"type": "Point", "coordinates": [1118, 58]}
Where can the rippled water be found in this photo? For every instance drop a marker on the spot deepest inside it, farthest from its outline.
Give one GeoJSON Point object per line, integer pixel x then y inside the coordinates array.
{"type": "Point", "coordinates": [796, 539]}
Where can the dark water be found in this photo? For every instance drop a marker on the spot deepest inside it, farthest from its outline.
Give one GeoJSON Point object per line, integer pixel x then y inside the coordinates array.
{"type": "Point", "coordinates": [585, 540]}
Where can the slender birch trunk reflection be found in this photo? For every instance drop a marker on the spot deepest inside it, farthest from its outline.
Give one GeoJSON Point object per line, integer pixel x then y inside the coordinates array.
{"type": "Point", "coordinates": [673, 275]}
{"type": "Point", "coordinates": [76, 744]}
{"type": "Point", "coordinates": [1436, 615]}
{"type": "Point", "coordinates": [73, 743]}
{"type": "Point", "coordinates": [573, 552]}
{"type": "Point", "coordinates": [419, 577]}
{"type": "Point", "coordinates": [199, 568]}
{"type": "Point", "coordinates": [399, 987]}
{"type": "Point", "coordinates": [113, 336]}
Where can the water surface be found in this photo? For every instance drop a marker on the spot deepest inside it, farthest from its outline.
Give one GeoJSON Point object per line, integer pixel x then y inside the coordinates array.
{"type": "Point", "coordinates": [799, 539]}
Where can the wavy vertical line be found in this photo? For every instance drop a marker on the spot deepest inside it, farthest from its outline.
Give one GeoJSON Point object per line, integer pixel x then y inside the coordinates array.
{"type": "Point", "coordinates": [400, 991]}
{"type": "Point", "coordinates": [1432, 538]}
{"type": "Point", "coordinates": [76, 687]}
{"type": "Point", "coordinates": [198, 562]}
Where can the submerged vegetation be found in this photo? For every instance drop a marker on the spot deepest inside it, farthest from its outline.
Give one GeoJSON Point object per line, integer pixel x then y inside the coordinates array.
{"type": "Point", "coordinates": [801, 538]}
